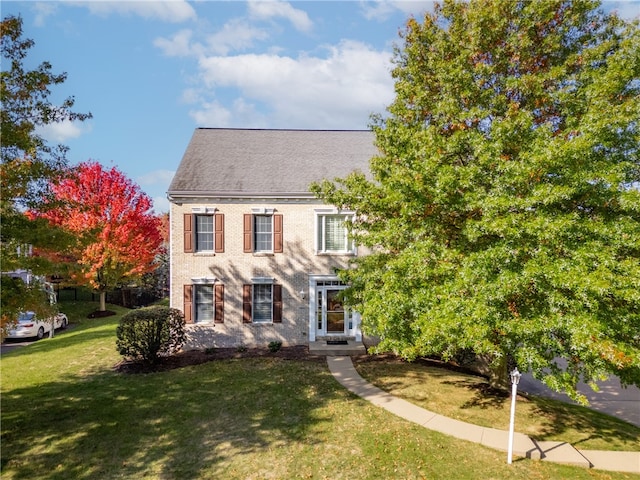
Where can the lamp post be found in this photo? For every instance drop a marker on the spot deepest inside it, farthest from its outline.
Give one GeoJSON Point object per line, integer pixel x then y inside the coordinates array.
{"type": "Point", "coordinates": [515, 378]}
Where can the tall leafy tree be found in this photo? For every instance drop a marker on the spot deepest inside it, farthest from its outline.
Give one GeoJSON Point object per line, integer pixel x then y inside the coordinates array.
{"type": "Point", "coordinates": [28, 163]}
{"type": "Point", "coordinates": [117, 237]}
{"type": "Point", "coordinates": [503, 214]}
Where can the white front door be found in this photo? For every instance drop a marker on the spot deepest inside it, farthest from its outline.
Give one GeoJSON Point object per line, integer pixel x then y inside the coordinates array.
{"type": "Point", "coordinates": [327, 314]}
{"type": "Point", "coordinates": [332, 318]}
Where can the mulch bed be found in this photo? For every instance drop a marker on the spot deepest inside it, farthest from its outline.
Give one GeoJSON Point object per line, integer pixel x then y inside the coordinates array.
{"type": "Point", "coordinates": [198, 357]}
{"type": "Point", "coordinates": [101, 314]}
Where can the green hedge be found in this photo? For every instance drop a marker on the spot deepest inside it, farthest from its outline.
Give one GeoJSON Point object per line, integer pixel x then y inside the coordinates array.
{"type": "Point", "coordinates": [147, 334]}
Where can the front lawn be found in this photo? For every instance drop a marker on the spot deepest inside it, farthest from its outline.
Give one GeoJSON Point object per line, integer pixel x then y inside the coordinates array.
{"type": "Point", "coordinates": [66, 413]}
{"type": "Point", "coordinates": [468, 398]}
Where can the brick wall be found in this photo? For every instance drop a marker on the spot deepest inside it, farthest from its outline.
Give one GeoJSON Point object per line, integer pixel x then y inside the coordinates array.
{"type": "Point", "coordinates": [233, 268]}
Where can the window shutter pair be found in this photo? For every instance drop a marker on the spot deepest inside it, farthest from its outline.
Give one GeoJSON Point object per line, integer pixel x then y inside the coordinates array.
{"type": "Point", "coordinates": [218, 298]}
{"type": "Point", "coordinates": [190, 233]}
{"type": "Point", "coordinates": [247, 241]}
{"type": "Point", "coordinates": [247, 302]}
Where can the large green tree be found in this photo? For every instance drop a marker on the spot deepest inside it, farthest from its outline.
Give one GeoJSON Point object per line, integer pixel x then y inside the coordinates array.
{"type": "Point", "coordinates": [503, 214]}
{"type": "Point", "coordinates": [29, 165]}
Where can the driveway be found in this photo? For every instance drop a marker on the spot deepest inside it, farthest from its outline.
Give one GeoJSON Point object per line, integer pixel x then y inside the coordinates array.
{"type": "Point", "coordinates": [612, 398]}
{"type": "Point", "coordinates": [9, 345]}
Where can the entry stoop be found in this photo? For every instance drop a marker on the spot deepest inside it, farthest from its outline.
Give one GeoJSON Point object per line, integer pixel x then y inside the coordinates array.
{"type": "Point", "coordinates": [321, 347]}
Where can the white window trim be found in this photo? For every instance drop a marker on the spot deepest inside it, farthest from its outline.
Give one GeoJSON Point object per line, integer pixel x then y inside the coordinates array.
{"type": "Point", "coordinates": [261, 281]}
{"type": "Point", "coordinates": [204, 211]}
{"type": "Point", "coordinates": [254, 233]}
{"type": "Point", "coordinates": [323, 212]}
{"type": "Point", "coordinates": [203, 281]}
{"type": "Point", "coordinates": [263, 211]}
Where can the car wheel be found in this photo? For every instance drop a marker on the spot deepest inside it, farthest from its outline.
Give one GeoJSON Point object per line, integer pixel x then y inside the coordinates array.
{"type": "Point", "coordinates": [40, 333]}
{"type": "Point", "coordinates": [64, 323]}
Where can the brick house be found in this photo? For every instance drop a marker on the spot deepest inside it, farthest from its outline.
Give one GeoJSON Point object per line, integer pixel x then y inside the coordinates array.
{"type": "Point", "coordinates": [253, 252]}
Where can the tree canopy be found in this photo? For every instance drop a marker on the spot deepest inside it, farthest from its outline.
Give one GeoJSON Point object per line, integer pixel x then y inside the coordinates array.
{"type": "Point", "coordinates": [503, 213]}
{"type": "Point", "coordinates": [28, 163]}
{"type": "Point", "coordinates": [117, 237]}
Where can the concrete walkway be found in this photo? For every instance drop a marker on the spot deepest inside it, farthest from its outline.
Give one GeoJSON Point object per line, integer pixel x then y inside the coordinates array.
{"type": "Point", "coordinates": [559, 452]}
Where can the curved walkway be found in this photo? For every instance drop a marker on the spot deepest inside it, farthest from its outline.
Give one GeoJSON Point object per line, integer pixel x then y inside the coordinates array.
{"type": "Point", "coordinates": [559, 452]}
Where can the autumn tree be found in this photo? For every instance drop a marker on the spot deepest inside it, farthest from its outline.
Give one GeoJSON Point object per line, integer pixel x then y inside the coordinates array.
{"type": "Point", "coordinates": [117, 235]}
{"type": "Point", "coordinates": [28, 163]}
{"type": "Point", "coordinates": [502, 212]}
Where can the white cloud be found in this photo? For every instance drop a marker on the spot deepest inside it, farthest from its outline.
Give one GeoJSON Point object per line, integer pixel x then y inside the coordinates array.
{"type": "Point", "coordinates": [43, 10]}
{"type": "Point", "coordinates": [160, 204]}
{"type": "Point", "coordinates": [179, 44]}
{"type": "Point", "coordinates": [173, 11]}
{"type": "Point", "coordinates": [237, 34]}
{"type": "Point", "coordinates": [239, 113]}
{"type": "Point", "coordinates": [381, 10]}
{"type": "Point", "coordinates": [60, 132]}
{"type": "Point", "coordinates": [338, 91]}
{"type": "Point", "coordinates": [266, 10]}
{"type": "Point", "coordinates": [628, 10]}
{"type": "Point", "coordinates": [156, 177]}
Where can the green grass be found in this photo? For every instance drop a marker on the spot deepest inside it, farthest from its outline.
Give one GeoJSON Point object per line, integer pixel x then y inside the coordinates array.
{"type": "Point", "coordinates": [66, 414]}
{"type": "Point", "coordinates": [468, 398]}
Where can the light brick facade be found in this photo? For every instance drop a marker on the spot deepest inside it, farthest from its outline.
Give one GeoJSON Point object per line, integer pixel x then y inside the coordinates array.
{"type": "Point", "coordinates": [234, 268]}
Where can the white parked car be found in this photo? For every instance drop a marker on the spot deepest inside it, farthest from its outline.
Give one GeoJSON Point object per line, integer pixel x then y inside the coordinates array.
{"type": "Point", "coordinates": [29, 326]}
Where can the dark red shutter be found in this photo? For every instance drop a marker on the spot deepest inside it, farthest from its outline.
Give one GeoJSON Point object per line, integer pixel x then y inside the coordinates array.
{"type": "Point", "coordinates": [219, 232]}
{"type": "Point", "coordinates": [188, 233]}
{"type": "Point", "coordinates": [277, 304]}
{"type": "Point", "coordinates": [219, 303]}
{"type": "Point", "coordinates": [248, 233]}
{"type": "Point", "coordinates": [188, 303]}
{"type": "Point", "coordinates": [246, 303]}
{"type": "Point", "coordinates": [277, 234]}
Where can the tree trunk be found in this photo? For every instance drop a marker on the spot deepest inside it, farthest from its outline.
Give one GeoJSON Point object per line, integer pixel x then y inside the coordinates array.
{"type": "Point", "coordinates": [496, 371]}
{"type": "Point", "coordinates": [103, 301]}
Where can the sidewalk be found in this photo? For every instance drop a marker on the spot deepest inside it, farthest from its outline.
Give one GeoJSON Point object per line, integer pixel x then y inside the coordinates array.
{"type": "Point", "coordinates": [559, 452]}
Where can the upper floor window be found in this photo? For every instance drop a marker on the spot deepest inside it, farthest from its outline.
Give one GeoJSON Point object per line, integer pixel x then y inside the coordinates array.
{"type": "Point", "coordinates": [263, 231]}
{"type": "Point", "coordinates": [332, 233]}
{"type": "Point", "coordinates": [203, 232]}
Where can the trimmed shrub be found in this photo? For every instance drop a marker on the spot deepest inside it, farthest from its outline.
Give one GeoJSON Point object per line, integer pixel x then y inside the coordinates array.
{"type": "Point", "coordinates": [275, 346]}
{"type": "Point", "coordinates": [150, 333]}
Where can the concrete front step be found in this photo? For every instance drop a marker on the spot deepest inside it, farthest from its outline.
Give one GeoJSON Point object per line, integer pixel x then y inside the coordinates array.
{"type": "Point", "coordinates": [320, 347]}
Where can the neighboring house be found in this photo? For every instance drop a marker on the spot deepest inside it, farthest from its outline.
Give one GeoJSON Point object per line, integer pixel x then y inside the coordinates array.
{"type": "Point", "coordinates": [253, 252]}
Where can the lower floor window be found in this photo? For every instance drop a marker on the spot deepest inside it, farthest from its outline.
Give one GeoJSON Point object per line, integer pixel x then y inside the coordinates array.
{"type": "Point", "coordinates": [262, 303]}
{"type": "Point", "coordinates": [204, 303]}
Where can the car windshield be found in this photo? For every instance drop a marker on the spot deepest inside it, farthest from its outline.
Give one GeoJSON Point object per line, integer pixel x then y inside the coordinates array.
{"type": "Point", "coordinates": [26, 317]}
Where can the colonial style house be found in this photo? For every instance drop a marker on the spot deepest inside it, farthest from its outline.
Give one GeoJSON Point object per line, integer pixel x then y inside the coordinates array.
{"type": "Point", "coordinates": [253, 252]}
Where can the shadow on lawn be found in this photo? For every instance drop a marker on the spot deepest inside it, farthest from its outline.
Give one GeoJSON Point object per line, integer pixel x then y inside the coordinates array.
{"type": "Point", "coordinates": [554, 417]}
{"type": "Point", "coordinates": [175, 424]}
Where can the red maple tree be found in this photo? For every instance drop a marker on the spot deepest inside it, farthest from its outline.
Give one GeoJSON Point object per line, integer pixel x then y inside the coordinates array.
{"type": "Point", "coordinates": [117, 235]}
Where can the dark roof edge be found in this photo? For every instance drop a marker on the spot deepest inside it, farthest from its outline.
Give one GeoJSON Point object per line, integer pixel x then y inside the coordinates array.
{"type": "Point", "coordinates": [185, 194]}
{"type": "Point", "coordinates": [284, 129]}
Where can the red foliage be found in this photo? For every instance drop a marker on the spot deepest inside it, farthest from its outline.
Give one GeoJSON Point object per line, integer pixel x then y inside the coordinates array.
{"type": "Point", "coordinates": [118, 237]}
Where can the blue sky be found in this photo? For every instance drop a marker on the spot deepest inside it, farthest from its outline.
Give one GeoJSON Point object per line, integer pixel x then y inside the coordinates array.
{"type": "Point", "coordinates": [151, 72]}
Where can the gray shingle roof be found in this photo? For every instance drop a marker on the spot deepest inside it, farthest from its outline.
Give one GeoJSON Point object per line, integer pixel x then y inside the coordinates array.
{"type": "Point", "coordinates": [268, 163]}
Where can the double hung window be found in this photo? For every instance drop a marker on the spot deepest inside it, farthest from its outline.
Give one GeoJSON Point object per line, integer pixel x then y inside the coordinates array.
{"type": "Point", "coordinates": [262, 301]}
{"type": "Point", "coordinates": [204, 301]}
{"type": "Point", "coordinates": [332, 233]}
{"type": "Point", "coordinates": [263, 232]}
{"type": "Point", "coordinates": [203, 231]}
